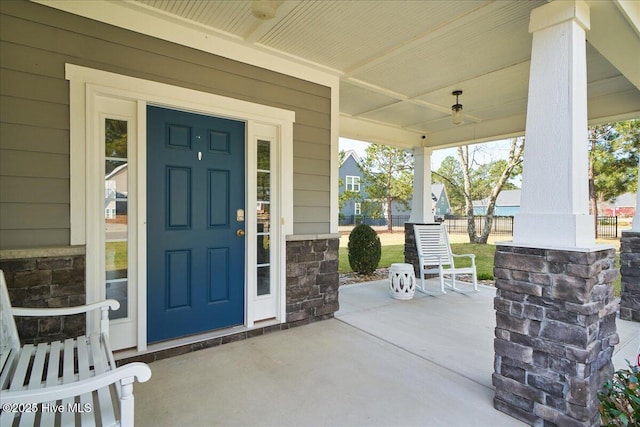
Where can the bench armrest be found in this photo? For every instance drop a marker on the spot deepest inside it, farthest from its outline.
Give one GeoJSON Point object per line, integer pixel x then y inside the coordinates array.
{"type": "Point", "coordinates": [65, 311]}
{"type": "Point", "coordinates": [127, 374]}
{"type": "Point", "coordinates": [472, 256]}
{"type": "Point", "coordinates": [104, 306]}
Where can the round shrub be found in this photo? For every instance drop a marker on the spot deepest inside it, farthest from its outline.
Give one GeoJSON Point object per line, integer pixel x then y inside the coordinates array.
{"type": "Point", "coordinates": [364, 249]}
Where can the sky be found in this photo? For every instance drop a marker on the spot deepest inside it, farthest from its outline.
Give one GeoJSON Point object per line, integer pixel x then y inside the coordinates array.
{"type": "Point", "coordinates": [491, 151]}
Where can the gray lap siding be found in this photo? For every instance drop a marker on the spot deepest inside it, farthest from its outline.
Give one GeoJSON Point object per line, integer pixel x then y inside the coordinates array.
{"type": "Point", "coordinates": [37, 41]}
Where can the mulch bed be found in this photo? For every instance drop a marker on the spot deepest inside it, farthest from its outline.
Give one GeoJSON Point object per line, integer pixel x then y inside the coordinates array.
{"type": "Point", "coordinates": [383, 274]}
{"type": "Point", "coordinates": [350, 278]}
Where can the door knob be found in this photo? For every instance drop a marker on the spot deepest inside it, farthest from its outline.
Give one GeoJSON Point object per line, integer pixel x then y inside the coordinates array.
{"type": "Point", "coordinates": [239, 232]}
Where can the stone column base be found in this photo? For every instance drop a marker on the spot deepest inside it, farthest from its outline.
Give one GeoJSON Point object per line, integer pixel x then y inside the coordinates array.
{"type": "Point", "coordinates": [630, 271]}
{"type": "Point", "coordinates": [410, 250]}
{"type": "Point", "coordinates": [555, 333]}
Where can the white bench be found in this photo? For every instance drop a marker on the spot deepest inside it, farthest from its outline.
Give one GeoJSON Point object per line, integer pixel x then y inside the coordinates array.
{"type": "Point", "coordinates": [70, 382]}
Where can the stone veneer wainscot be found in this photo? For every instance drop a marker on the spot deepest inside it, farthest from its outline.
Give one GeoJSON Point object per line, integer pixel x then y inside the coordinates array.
{"type": "Point", "coordinates": [555, 333]}
{"type": "Point", "coordinates": [51, 278]}
{"type": "Point", "coordinates": [312, 279]}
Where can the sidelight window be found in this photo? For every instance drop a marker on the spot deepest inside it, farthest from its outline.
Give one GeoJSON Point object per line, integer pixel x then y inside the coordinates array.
{"type": "Point", "coordinates": [263, 202]}
{"type": "Point", "coordinates": [116, 190]}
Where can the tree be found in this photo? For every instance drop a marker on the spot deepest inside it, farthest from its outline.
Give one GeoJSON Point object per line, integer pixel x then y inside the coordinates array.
{"type": "Point", "coordinates": [613, 161]}
{"type": "Point", "coordinates": [115, 144]}
{"type": "Point", "coordinates": [450, 174]}
{"type": "Point", "coordinates": [498, 174]}
{"type": "Point", "coordinates": [486, 175]}
{"type": "Point", "coordinates": [388, 176]}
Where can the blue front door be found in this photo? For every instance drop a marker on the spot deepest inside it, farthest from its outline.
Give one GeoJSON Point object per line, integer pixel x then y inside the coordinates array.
{"type": "Point", "coordinates": [195, 214]}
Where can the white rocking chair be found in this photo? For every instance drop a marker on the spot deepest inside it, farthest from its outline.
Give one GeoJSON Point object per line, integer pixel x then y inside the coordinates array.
{"type": "Point", "coordinates": [435, 257]}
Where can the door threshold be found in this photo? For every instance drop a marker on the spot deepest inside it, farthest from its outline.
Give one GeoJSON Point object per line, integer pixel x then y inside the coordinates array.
{"type": "Point", "coordinates": [191, 339]}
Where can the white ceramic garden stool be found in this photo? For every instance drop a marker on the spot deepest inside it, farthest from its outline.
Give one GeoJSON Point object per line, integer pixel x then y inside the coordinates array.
{"type": "Point", "coordinates": [402, 281]}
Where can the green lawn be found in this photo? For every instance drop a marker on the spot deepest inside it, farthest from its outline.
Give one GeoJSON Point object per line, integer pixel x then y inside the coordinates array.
{"type": "Point", "coordinates": [484, 259]}
{"type": "Point", "coordinates": [116, 253]}
{"type": "Point", "coordinates": [395, 253]}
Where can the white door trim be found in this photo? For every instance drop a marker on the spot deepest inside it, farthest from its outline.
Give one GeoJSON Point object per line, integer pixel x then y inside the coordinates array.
{"type": "Point", "coordinates": [124, 331]}
{"type": "Point", "coordinates": [85, 85]}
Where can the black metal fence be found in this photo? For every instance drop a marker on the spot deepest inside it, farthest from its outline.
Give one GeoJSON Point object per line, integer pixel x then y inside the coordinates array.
{"type": "Point", "coordinates": [502, 225]}
{"type": "Point", "coordinates": [607, 227]}
{"type": "Point", "coordinates": [396, 220]}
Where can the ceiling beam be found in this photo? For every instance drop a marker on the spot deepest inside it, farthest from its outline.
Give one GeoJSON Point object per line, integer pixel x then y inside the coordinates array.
{"type": "Point", "coordinates": [378, 133]}
{"type": "Point", "coordinates": [491, 130]}
{"type": "Point", "coordinates": [631, 10]}
{"type": "Point", "coordinates": [399, 97]}
{"type": "Point", "coordinates": [615, 34]}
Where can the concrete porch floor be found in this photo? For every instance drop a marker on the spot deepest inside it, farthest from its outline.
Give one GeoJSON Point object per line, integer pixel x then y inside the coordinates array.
{"type": "Point", "coordinates": [381, 362]}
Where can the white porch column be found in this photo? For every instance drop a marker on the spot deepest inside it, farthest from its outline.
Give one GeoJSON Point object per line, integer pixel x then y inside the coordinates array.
{"type": "Point", "coordinates": [635, 227]}
{"type": "Point", "coordinates": [421, 205]}
{"type": "Point", "coordinates": [554, 207]}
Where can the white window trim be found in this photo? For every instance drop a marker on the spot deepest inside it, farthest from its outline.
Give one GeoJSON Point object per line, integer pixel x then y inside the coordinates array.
{"type": "Point", "coordinates": [357, 208]}
{"type": "Point", "coordinates": [355, 181]}
{"type": "Point", "coordinates": [86, 83]}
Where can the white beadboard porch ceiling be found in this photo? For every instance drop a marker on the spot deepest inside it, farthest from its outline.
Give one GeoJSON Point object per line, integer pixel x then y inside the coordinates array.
{"type": "Point", "coordinates": [398, 61]}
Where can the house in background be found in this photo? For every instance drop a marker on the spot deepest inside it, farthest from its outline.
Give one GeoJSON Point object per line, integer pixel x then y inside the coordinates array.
{"type": "Point", "coordinates": [351, 177]}
{"type": "Point", "coordinates": [624, 205]}
{"type": "Point", "coordinates": [115, 191]}
{"type": "Point", "coordinates": [442, 206]}
{"type": "Point", "coordinates": [507, 204]}
{"type": "Point", "coordinates": [439, 197]}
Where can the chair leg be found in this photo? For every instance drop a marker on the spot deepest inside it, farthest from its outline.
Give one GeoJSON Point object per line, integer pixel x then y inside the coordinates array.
{"type": "Point", "coordinates": [463, 291]}
{"type": "Point", "coordinates": [422, 287]}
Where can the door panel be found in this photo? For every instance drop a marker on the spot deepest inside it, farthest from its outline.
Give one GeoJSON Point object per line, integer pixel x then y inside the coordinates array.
{"type": "Point", "coordinates": [218, 198]}
{"type": "Point", "coordinates": [196, 183]}
{"type": "Point", "coordinates": [218, 262]}
{"type": "Point", "coordinates": [178, 279]}
{"type": "Point", "coordinates": [178, 208]}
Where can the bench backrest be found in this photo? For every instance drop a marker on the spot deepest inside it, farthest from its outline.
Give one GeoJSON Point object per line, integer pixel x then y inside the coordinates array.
{"type": "Point", "coordinates": [9, 339]}
{"type": "Point", "coordinates": [432, 242]}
